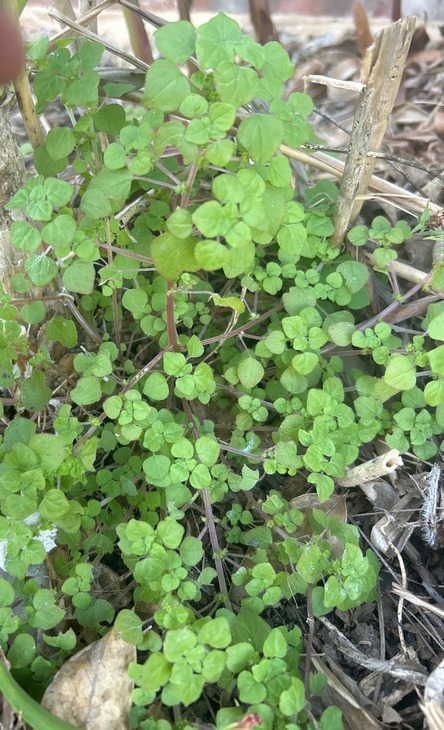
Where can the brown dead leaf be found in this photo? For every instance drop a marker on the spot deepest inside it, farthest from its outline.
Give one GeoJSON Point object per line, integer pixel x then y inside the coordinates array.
{"type": "Point", "coordinates": [334, 506]}
{"type": "Point", "coordinates": [433, 705]}
{"type": "Point", "coordinates": [364, 37]}
{"type": "Point", "coordinates": [419, 40]}
{"type": "Point", "coordinates": [92, 690]}
{"type": "Point", "coordinates": [438, 123]}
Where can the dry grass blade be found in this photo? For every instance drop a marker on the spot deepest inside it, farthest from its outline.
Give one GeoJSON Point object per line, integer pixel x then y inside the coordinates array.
{"type": "Point", "coordinates": [85, 6]}
{"type": "Point", "coordinates": [433, 705]}
{"type": "Point", "coordinates": [81, 21]}
{"type": "Point", "coordinates": [351, 700]}
{"type": "Point", "coordinates": [417, 601]}
{"type": "Point", "coordinates": [392, 667]}
{"type": "Point", "coordinates": [93, 37]}
{"type": "Point", "coordinates": [396, 195]}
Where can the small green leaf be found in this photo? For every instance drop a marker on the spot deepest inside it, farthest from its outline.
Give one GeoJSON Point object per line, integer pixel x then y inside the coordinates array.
{"type": "Point", "coordinates": [248, 626]}
{"type": "Point", "coordinates": [275, 644]}
{"type": "Point", "coordinates": [217, 40]}
{"type": "Point", "coordinates": [223, 116]}
{"type": "Point", "coordinates": [33, 312]}
{"type": "Point", "coordinates": [83, 90]}
{"type": "Point", "coordinates": [232, 302]}
{"type": "Point", "coordinates": [250, 691]}
{"type": "Point", "coordinates": [436, 358]}
{"type": "Point", "coordinates": [235, 84]}
{"type": "Point", "coordinates": [175, 41]}
{"type": "Point", "coordinates": [112, 406]}
{"type": "Point", "coordinates": [87, 391]}
{"type": "Point", "coordinates": [79, 277]}
{"type": "Point", "coordinates": [292, 700]}
{"type": "Point", "coordinates": [90, 53]}
{"type": "Point", "coordinates": [436, 327]}
{"type": "Point", "coordinates": [250, 372]}
{"type": "Point", "coordinates": [195, 347]}
{"type": "Point", "coordinates": [260, 135]}
{"type": "Point", "coordinates": [47, 86]}
{"type": "Point", "coordinates": [34, 393]}
{"type": "Point", "coordinates": [191, 551]}
{"type": "Point", "coordinates": [434, 392]}
{"type": "Point", "coordinates": [157, 670]}
{"type": "Point", "coordinates": [170, 532]}
{"type": "Point", "coordinates": [156, 387]}
{"type": "Point", "coordinates": [179, 223]}
{"type": "Point", "coordinates": [216, 633]}
{"type": "Point", "coordinates": [277, 66]}
{"type": "Point", "coordinates": [59, 231]}
{"type": "Point", "coordinates": [7, 593]}
{"type": "Point", "coordinates": [115, 156]}
{"type": "Point", "coordinates": [47, 614]}
{"type": "Point", "coordinates": [157, 469]}
{"type": "Point", "coordinates": [193, 105]}
{"type": "Point", "coordinates": [112, 185]}
{"type": "Point", "coordinates": [63, 330]}
{"type": "Point", "coordinates": [53, 505]}
{"type": "Point", "coordinates": [239, 656]}
{"type": "Point", "coordinates": [57, 191]}
{"type": "Point", "coordinates": [50, 450]}
{"type": "Point", "coordinates": [400, 373]}
{"type": "Point", "coordinates": [135, 300]}
{"type": "Point", "coordinates": [208, 450]}
{"type": "Point", "coordinates": [110, 119]}
{"type": "Point", "coordinates": [22, 651]}
{"type": "Point", "coordinates": [172, 256]}
{"type": "Point", "coordinates": [24, 236]}
{"type": "Point", "coordinates": [41, 269]}
{"type": "Point", "coordinates": [355, 274]}
{"type": "Point", "coordinates": [166, 87]}
{"type": "Point", "coordinates": [96, 204]}
{"type": "Point", "coordinates": [129, 626]}
{"type": "Point", "coordinates": [60, 142]}
{"type": "Point", "coordinates": [219, 153]}
{"type": "Point", "coordinates": [341, 333]}
{"type": "Point", "coordinates": [200, 477]}
{"type": "Point", "coordinates": [331, 719]}
{"type": "Point", "coordinates": [213, 665]}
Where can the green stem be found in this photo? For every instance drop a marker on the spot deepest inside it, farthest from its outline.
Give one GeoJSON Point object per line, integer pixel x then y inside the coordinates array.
{"type": "Point", "coordinates": [33, 713]}
{"type": "Point", "coordinates": [171, 324]}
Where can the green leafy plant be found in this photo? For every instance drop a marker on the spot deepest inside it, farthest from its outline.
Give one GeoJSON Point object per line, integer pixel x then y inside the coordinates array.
{"type": "Point", "coordinates": [176, 341]}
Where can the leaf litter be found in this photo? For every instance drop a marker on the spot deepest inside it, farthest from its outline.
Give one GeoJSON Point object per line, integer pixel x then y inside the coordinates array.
{"type": "Point", "coordinates": [92, 690]}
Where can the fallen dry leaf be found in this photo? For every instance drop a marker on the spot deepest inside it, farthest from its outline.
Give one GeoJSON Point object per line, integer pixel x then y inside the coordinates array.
{"type": "Point", "coordinates": [419, 40]}
{"type": "Point", "coordinates": [438, 123]}
{"type": "Point", "coordinates": [364, 37]}
{"type": "Point", "coordinates": [93, 690]}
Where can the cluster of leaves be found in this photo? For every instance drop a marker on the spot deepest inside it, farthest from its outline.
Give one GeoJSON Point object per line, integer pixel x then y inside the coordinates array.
{"type": "Point", "coordinates": [210, 323]}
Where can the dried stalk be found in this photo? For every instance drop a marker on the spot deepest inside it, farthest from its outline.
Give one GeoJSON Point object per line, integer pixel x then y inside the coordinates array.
{"type": "Point", "coordinates": [381, 73]}
{"type": "Point", "coordinates": [23, 93]}
{"type": "Point", "coordinates": [393, 667]}
{"type": "Point", "coordinates": [410, 203]}
{"type": "Point", "coordinates": [92, 36]}
{"type": "Point", "coordinates": [377, 467]}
